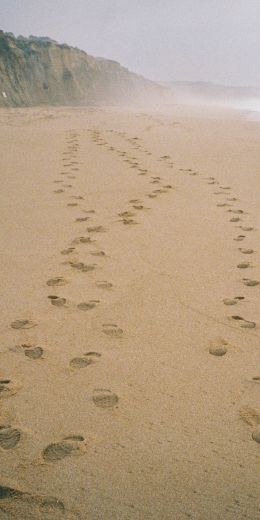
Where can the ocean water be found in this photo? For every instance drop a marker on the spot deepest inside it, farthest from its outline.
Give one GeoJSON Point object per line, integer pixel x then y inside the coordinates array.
{"type": "Point", "coordinates": [251, 106]}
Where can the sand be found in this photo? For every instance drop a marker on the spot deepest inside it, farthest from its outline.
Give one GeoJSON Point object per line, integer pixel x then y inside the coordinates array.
{"type": "Point", "coordinates": [130, 337]}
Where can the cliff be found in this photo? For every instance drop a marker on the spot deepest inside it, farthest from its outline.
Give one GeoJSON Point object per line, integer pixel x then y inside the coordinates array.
{"type": "Point", "coordinates": [39, 71]}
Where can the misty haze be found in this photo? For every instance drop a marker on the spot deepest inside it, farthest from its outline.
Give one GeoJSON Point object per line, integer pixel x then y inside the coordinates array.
{"type": "Point", "coordinates": [130, 311]}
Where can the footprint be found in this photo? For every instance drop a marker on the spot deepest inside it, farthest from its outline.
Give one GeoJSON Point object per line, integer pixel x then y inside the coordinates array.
{"type": "Point", "coordinates": [250, 283]}
{"type": "Point", "coordinates": [93, 355]}
{"type": "Point", "coordinates": [72, 204]}
{"type": "Point", "coordinates": [67, 251]}
{"type": "Point", "coordinates": [252, 417]}
{"type": "Point", "coordinates": [34, 353]}
{"type": "Point", "coordinates": [126, 214]}
{"type": "Point", "coordinates": [7, 492]}
{"type": "Point", "coordinates": [58, 281]}
{"type": "Point", "coordinates": [104, 398]}
{"type": "Point", "coordinates": [83, 240]}
{"type": "Point", "coordinates": [23, 324]}
{"type": "Point", "coordinates": [103, 284]}
{"type": "Point", "coordinates": [112, 330]}
{"type": "Point", "coordinates": [82, 219]}
{"type": "Point", "coordinates": [18, 504]}
{"type": "Point", "coordinates": [96, 229]}
{"type": "Point", "coordinates": [3, 383]}
{"type": "Point", "coordinates": [218, 348]}
{"type": "Point", "coordinates": [58, 191]}
{"type": "Point", "coordinates": [128, 221]}
{"type": "Point", "coordinates": [245, 324]}
{"type": "Point", "coordinates": [85, 268]}
{"type": "Point", "coordinates": [239, 238]}
{"type": "Point", "coordinates": [247, 228]}
{"type": "Point", "coordinates": [160, 191]}
{"type": "Point", "coordinates": [57, 301]}
{"type": "Point", "coordinates": [98, 253]}
{"type": "Point", "coordinates": [246, 251]}
{"type": "Point", "coordinates": [235, 219]}
{"type": "Point", "coordinates": [9, 437]}
{"type": "Point", "coordinates": [139, 206]}
{"type": "Point", "coordinates": [87, 306]}
{"type": "Point", "coordinates": [6, 388]}
{"type": "Point", "coordinates": [79, 362]}
{"type": "Point", "coordinates": [243, 265]}
{"type": "Point", "coordinates": [72, 445]}
{"type": "Point", "coordinates": [228, 301]}
{"type": "Point", "coordinates": [248, 324]}
{"type": "Point", "coordinates": [77, 265]}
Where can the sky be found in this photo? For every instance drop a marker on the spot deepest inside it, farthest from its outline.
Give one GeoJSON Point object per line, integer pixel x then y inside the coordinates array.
{"type": "Point", "coordinates": [164, 40]}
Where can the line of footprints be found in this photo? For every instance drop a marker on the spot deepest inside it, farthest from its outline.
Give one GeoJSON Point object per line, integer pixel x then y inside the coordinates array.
{"type": "Point", "coordinates": [235, 216]}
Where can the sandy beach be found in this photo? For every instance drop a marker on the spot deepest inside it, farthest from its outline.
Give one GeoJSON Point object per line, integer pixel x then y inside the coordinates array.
{"type": "Point", "coordinates": [130, 278]}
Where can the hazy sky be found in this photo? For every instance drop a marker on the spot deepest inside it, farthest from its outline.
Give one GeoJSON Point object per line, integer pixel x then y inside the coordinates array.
{"type": "Point", "coordinates": [194, 40]}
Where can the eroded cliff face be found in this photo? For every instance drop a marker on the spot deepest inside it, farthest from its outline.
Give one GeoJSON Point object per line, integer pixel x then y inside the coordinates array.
{"type": "Point", "coordinates": [37, 71]}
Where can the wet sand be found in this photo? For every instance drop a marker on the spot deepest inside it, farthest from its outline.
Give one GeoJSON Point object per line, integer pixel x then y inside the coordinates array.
{"type": "Point", "coordinates": [129, 374]}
